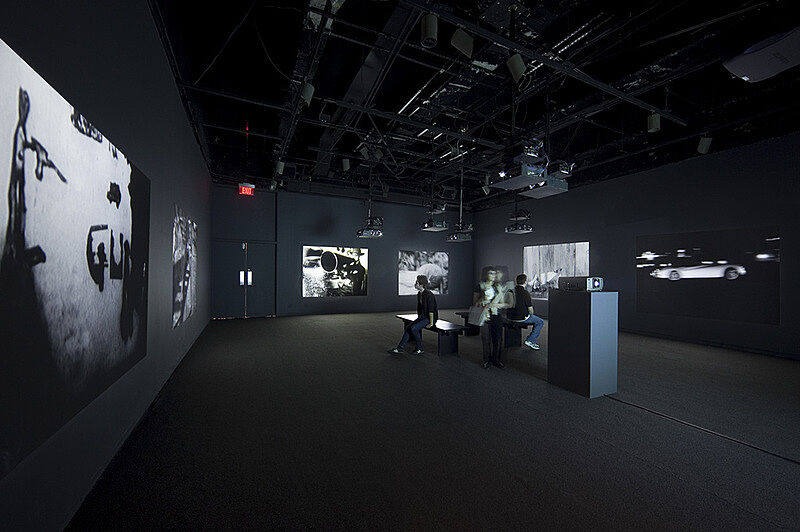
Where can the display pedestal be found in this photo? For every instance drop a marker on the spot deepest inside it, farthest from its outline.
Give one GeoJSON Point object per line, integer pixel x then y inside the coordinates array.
{"type": "Point", "coordinates": [582, 341]}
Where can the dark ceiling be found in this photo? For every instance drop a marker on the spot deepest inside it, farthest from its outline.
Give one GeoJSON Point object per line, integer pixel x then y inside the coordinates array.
{"type": "Point", "coordinates": [411, 120]}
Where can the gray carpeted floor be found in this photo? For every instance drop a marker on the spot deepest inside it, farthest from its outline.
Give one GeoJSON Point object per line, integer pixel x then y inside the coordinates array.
{"type": "Point", "coordinates": [307, 422]}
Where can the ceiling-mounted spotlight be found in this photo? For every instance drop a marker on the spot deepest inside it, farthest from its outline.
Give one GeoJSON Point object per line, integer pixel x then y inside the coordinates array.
{"type": "Point", "coordinates": [654, 123]}
{"type": "Point", "coordinates": [308, 92]}
{"type": "Point", "coordinates": [345, 164]}
{"type": "Point", "coordinates": [704, 144]}
{"type": "Point", "coordinates": [273, 185]}
{"type": "Point", "coordinates": [463, 42]}
{"type": "Point", "coordinates": [430, 31]}
{"type": "Point", "coordinates": [517, 66]}
{"type": "Point", "coordinates": [561, 169]}
{"type": "Point", "coordinates": [279, 167]}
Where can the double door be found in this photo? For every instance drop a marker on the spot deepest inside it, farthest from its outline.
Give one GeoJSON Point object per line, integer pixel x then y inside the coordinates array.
{"type": "Point", "coordinates": [242, 279]}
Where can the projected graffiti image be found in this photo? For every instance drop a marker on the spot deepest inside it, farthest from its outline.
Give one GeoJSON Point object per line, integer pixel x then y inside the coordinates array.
{"type": "Point", "coordinates": [73, 273]}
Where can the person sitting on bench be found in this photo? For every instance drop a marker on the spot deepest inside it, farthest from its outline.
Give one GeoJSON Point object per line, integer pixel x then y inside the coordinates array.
{"type": "Point", "coordinates": [522, 311]}
{"type": "Point", "coordinates": [427, 313]}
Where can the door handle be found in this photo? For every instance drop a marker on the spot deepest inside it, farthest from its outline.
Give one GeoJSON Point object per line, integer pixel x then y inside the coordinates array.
{"type": "Point", "coordinates": [241, 277]}
{"type": "Point", "coordinates": [249, 277]}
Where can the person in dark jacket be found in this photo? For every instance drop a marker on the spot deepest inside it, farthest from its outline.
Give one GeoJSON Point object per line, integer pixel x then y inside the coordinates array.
{"type": "Point", "coordinates": [522, 311]}
{"type": "Point", "coordinates": [427, 314]}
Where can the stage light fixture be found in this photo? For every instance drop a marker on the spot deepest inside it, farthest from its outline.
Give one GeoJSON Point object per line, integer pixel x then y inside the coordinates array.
{"type": "Point", "coordinates": [704, 145]}
{"type": "Point", "coordinates": [345, 164]}
{"type": "Point", "coordinates": [516, 66]}
{"type": "Point", "coordinates": [463, 42]}
{"type": "Point", "coordinates": [273, 185]}
{"type": "Point", "coordinates": [279, 166]}
{"type": "Point", "coordinates": [654, 123]}
{"type": "Point", "coordinates": [373, 225]}
{"type": "Point", "coordinates": [429, 31]}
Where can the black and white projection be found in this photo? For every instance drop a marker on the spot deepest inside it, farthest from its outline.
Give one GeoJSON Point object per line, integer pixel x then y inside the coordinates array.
{"type": "Point", "coordinates": [73, 275]}
{"type": "Point", "coordinates": [334, 271]}
{"type": "Point", "coordinates": [724, 275]}
{"type": "Point", "coordinates": [546, 263]}
{"type": "Point", "coordinates": [184, 267]}
{"type": "Point", "coordinates": [435, 265]}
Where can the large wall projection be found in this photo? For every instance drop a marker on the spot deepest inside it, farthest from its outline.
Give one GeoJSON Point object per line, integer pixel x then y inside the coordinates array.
{"type": "Point", "coordinates": [334, 271]}
{"type": "Point", "coordinates": [435, 265]}
{"type": "Point", "coordinates": [545, 264]}
{"type": "Point", "coordinates": [73, 276]}
{"type": "Point", "coordinates": [184, 267]}
{"type": "Point", "coordinates": [725, 275]}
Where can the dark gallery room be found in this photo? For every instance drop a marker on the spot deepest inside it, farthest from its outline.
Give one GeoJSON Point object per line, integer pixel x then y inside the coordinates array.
{"type": "Point", "coordinates": [433, 264]}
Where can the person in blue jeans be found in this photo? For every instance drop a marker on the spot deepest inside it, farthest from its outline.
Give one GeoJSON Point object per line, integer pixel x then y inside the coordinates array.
{"type": "Point", "coordinates": [427, 313]}
{"type": "Point", "coordinates": [522, 311]}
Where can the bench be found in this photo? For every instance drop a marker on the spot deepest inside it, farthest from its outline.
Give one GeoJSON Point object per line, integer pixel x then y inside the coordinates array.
{"type": "Point", "coordinates": [447, 332]}
{"type": "Point", "coordinates": [470, 329]}
{"type": "Point", "coordinates": [513, 332]}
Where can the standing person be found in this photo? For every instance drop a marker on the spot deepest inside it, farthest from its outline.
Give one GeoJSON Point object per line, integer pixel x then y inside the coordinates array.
{"type": "Point", "coordinates": [491, 294]}
{"type": "Point", "coordinates": [522, 311]}
{"type": "Point", "coordinates": [427, 313]}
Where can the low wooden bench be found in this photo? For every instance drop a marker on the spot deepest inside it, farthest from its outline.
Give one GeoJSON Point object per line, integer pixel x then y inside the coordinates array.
{"type": "Point", "coordinates": [469, 329]}
{"type": "Point", "coordinates": [513, 332]}
{"type": "Point", "coordinates": [446, 331]}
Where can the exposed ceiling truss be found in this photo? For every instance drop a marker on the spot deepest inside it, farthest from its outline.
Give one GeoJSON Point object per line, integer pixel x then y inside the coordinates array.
{"type": "Point", "coordinates": [387, 110]}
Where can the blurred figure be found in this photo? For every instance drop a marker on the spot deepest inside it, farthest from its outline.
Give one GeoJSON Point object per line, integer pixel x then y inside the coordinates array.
{"type": "Point", "coordinates": [427, 313]}
{"type": "Point", "coordinates": [492, 294]}
{"type": "Point", "coordinates": [522, 311]}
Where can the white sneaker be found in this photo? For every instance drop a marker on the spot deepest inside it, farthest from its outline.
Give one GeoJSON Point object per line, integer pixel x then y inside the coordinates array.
{"type": "Point", "coordinates": [531, 345]}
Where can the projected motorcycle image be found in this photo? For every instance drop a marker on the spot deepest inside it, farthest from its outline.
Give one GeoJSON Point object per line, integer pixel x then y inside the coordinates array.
{"type": "Point", "coordinates": [334, 271]}
{"type": "Point", "coordinates": [727, 275]}
{"type": "Point", "coordinates": [432, 264]}
{"type": "Point", "coordinates": [73, 275]}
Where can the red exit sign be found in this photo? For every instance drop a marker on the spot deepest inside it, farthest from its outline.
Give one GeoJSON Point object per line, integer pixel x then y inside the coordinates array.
{"type": "Point", "coordinates": [246, 189]}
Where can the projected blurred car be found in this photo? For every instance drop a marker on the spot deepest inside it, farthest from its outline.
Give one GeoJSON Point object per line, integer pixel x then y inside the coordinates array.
{"type": "Point", "coordinates": [701, 271]}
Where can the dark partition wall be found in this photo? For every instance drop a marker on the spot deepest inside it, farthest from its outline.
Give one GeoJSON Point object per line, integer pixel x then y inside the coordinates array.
{"type": "Point", "coordinates": [704, 203]}
{"type": "Point", "coordinates": [296, 221]}
{"type": "Point", "coordinates": [107, 61]}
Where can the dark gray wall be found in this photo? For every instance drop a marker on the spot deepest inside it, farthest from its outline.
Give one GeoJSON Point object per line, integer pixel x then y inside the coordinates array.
{"type": "Point", "coordinates": [305, 219]}
{"type": "Point", "coordinates": [757, 185]}
{"type": "Point", "coordinates": [106, 58]}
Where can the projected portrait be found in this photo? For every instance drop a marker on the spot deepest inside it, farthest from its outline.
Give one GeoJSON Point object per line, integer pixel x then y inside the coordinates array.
{"type": "Point", "coordinates": [432, 264]}
{"type": "Point", "coordinates": [727, 275]}
{"type": "Point", "coordinates": [73, 273]}
{"type": "Point", "coordinates": [334, 271]}
{"type": "Point", "coordinates": [184, 267]}
{"type": "Point", "coordinates": [545, 264]}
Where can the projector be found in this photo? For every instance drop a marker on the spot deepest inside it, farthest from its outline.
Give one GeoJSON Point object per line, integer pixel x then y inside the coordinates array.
{"type": "Point", "coordinates": [549, 186]}
{"type": "Point", "coordinates": [519, 228]}
{"type": "Point", "coordinates": [434, 225]}
{"type": "Point", "coordinates": [588, 284]}
{"type": "Point", "coordinates": [767, 58]}
{"type": "Point", "coordinates": [369, 232]}
{"type": "Point", "coordinates": [460, 236]}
